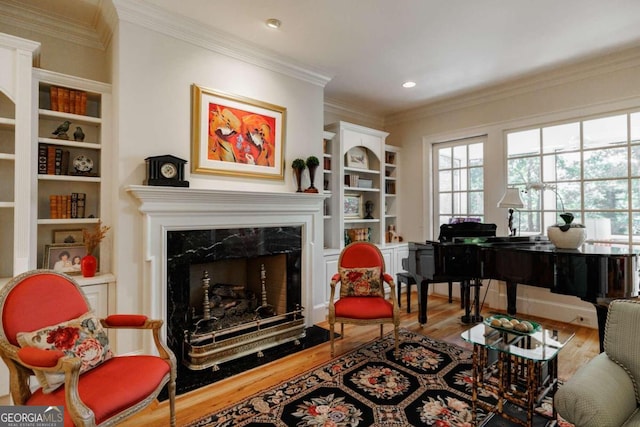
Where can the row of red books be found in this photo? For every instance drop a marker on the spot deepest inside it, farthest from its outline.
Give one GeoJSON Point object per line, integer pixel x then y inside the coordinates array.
{"type": "Point", "coordinates": [62, 206]}
{"type": "Point", "coordinates": [68, 100]}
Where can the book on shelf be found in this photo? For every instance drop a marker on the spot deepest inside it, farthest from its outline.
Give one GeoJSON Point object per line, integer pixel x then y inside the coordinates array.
{"type": "Point", "coordinates": [351, 180]}
{"type": "Point", "coordinates": [63, 100]}
{"type": "Point", "coordinates": [63, 206]}
{"type": "Point", "coordinates": [67, 100]}
{"type": "Point", "coordinates": [64, 167]}
{"type": "Point", "coordinates": [72, 101]}
{"type": "Point", "coordinates": [391, 188]}
{"type": "Point", "coordinates": [327, 163]}
{"type": "Point", "coordinates": [53, 206]}
{"type": "Point", "coordinates": [53, 92]}
{"type": "Point", "coordinates": [51, 160]}
{"type": "Point", "coordinates": [390, 158]}
{"type": "Point", "coordinates": [58, 162]}
{"type": "Point", "coordinates": [83, 103]}
{"type": "Point", "coordinates": [82, 197]}
{"type": "Point", "coordinates": [42, 158]}
{"type": "Point", "coordinates": [74, 205]}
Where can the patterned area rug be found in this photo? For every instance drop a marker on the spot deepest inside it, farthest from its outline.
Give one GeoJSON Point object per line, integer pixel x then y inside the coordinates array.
{"type": "Point", "coordinates": [428, 385]}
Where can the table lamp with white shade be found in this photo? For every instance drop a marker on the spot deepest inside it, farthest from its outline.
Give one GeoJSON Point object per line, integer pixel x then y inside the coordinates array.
{"type": "Point", "coordinates": [512, 200]}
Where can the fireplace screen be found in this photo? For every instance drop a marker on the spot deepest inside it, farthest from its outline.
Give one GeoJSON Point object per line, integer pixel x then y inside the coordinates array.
{"type": "Point", "coordinates": [232, 292]}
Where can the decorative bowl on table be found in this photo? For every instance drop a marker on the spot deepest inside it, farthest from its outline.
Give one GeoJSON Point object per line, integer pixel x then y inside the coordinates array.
{"type": "Point", "coordinates": [512, 325]}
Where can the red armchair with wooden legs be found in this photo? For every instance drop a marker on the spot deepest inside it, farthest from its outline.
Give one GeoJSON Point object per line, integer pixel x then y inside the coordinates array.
{"type": "Point", "coordinates": [362, 301]}
{"type": "Point", "coordinates": [47, 329]}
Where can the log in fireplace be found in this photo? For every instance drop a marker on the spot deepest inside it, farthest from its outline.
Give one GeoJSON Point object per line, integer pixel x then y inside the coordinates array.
{"type": "Point", "coordinates": [232, 292]}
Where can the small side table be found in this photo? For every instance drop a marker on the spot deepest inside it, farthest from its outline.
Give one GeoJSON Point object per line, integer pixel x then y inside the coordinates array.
{"type": "Point", "coordinates": [518, 368]}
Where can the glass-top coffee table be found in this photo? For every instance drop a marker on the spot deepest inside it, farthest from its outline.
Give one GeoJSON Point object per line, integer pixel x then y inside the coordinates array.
{"type": "Point", "coordinates": [518, 367]}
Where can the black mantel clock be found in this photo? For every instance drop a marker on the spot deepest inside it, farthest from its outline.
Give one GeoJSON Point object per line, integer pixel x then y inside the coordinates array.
{"type": "Point", "coordinates": [166, 171]}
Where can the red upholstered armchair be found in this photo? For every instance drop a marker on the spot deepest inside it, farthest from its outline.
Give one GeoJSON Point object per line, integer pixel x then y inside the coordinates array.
{"type": "Point", "coordinates": [362, 301]}
{"type": "Point", "coordinates": [48, 330]}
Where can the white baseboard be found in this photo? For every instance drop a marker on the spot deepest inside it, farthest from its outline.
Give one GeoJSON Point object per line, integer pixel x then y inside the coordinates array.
{"type": "Point", "coordinates": [531, 300]}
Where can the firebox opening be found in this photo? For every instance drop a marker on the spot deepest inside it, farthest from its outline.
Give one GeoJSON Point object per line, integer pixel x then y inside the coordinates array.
{"type": "Point", "coordinates": [235, 289]}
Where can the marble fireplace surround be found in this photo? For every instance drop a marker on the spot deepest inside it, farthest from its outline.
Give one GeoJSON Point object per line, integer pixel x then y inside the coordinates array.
{"type": "Point", "coordinates": [167, 208]}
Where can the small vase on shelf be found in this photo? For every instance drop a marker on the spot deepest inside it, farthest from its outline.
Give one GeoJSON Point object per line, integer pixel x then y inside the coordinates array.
{"type": "Point", "coordinates": [92, 239]}
{"type": "Point", "coordinates": [89, 265]}
{"type": "Point", "coordinates": [312, 165]}
{"type": "Point", "coordinates": [298, 166]}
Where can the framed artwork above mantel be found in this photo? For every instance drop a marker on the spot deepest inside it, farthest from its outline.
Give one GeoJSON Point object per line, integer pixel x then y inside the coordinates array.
{"type": "Point", "coordinates": [237, 136]}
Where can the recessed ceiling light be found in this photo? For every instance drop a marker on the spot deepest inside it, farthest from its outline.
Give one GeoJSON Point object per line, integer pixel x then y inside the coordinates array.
{"type": "Point", "coordinates": [273, 23]}
{"type": "Point", "coordinates": [408, 84]}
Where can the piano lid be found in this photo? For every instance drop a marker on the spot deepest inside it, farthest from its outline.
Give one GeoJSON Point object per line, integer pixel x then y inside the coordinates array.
{"type": "Point", "coordinates": [466, 229]}
{"type": "Point", "coordinates": [502, 239]}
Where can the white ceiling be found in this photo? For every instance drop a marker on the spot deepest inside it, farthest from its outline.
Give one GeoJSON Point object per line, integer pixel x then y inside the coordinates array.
{"type": "Point", "coordinates": [448, 47]}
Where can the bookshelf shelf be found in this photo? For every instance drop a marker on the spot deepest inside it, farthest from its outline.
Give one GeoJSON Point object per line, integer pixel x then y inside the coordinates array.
{"type": "Point", "coordinates": [68, 221]}
{"type": "Point", "coordinates": [75, 118]}
{"type": "Point", "coordinates": [76, 144]}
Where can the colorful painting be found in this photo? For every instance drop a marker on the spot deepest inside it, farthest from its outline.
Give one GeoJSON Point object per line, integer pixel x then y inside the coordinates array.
{"type": "Point", "coordinates": [233, 135]}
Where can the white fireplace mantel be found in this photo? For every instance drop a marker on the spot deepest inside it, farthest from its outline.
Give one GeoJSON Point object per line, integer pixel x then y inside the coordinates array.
{"type": "Point", "coordinates": [173, 208]}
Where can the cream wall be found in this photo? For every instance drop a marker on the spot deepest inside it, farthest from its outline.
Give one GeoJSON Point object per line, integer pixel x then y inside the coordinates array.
{"type": "Point", "coordinates": [153, 73]}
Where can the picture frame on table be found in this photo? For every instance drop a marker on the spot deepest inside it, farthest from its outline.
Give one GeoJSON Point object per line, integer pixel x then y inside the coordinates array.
{"type": "Point", "coordinates": [352, 206]}
{"type": "Point", "coordinates": [64, 258]}
{"type": "Point", "coordinates": [235, 135]}
{"type": "Point", "coordinates": [67, 236]}
{"type": "Point", "coordinates": [357, 157]}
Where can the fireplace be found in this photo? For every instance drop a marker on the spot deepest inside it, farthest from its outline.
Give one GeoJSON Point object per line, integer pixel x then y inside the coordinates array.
{"type": "Point", "coordinates": [168, 214]}
{"type": "Point", "coordinates": [232, 292]}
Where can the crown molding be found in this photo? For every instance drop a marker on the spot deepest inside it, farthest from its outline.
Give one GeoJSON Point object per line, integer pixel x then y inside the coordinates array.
{"type": "Point", "coordinates": [106, 23]}
{"type": "Point", "coordinates": [207, 37]}
{"type": "Point", "coordinates": [34, 19]}
{"type": "Point", "coordinates": [351, 113]}
{"type": "Point", "coordinates": [585, 69]}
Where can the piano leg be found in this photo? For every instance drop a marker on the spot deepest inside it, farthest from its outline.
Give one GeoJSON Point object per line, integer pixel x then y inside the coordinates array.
{"type": "Point", "coordinates": [423, 293]}
{"type": "Point", "coordinates": [512, 294]}
{"type": "Point", "coordinates": [465, 297]}
{"type": "Point", "coordinates": [478, 284]}
{"type": "Point", "coordinates": [465, 291]}
{"type": "Point", "coordinates": [601, 312]}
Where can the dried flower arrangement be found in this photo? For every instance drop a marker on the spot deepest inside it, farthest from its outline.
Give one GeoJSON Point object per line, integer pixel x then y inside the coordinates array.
{"type": "Point", "coordinates": [93, 238]}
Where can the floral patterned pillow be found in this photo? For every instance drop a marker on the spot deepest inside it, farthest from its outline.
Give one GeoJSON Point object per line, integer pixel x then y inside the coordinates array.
{"type": "Point", "coordinates": [360, 282]}
{"type": "Point", "coordinates": [82, 337]}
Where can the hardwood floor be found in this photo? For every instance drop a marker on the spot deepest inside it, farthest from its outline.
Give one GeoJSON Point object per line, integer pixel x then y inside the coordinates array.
{"type": "Point", "coordinates": [443, 324]}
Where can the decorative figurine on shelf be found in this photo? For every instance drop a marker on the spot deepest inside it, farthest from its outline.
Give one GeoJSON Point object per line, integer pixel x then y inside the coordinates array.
{"type": "Point", "coordinates": [368, 208]}
{"type": "Point", "coordinates": [298, 166]}
{"type": "Point", "coordinates": [61, 130]}
{"type": "Point", "coordinates": [78, 135]}
{"type": "Point", "coordinates": [312, 165]}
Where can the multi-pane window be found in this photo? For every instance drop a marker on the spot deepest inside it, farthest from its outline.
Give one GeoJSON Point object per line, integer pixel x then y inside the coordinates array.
{"type": "Point", "coordinates": [458, 180]}
{"type": "Point", "coordinates": [590, 168]}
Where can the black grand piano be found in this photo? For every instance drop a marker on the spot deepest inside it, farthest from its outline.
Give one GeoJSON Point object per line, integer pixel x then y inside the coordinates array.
{"type": "Point", "coordinates": [596, 274]}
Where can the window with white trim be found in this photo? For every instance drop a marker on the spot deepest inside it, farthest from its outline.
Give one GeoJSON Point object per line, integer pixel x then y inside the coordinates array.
{"type": "Point", "coordinates": [458, 181]}
{"type": "Point", "coordinates": [590, 168]}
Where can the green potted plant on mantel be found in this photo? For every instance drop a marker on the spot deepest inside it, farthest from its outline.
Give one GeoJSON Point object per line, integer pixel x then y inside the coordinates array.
{"type": "Point", "coordinates": [298, 166]}
{"type": "Point", "coordinates": [312, 164]}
